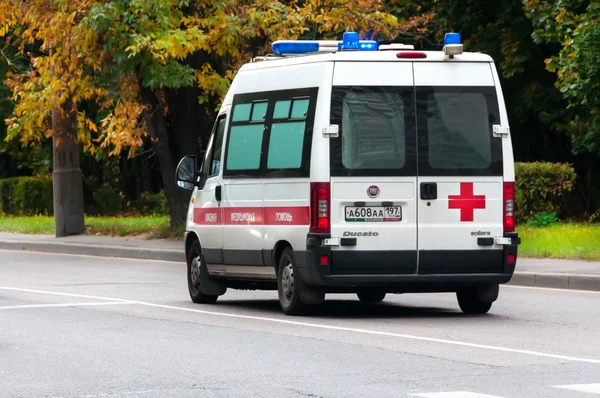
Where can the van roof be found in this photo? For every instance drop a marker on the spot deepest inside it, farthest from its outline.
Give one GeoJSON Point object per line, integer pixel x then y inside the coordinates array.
{"type": "Point", "coordinates": [271, 61]}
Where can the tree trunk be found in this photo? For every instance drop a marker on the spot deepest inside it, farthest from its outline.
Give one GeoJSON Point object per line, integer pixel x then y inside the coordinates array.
{"type": "Point", "coordinates": [178, 200]}
{"type": "Point", "coordinates": [67, 180]}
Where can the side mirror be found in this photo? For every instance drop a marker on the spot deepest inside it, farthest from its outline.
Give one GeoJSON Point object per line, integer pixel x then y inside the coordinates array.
{"type": "Point", "coordinates": [186, 173]}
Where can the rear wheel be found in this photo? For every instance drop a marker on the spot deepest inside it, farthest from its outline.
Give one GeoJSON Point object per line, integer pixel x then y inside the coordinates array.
{"type": "Point", "coordinates": [371, 296]}
{"type": "Point", "coordinates": [195, 265]}
{"type": "Point", "coordinates": [295, 298]}
{"type": "Point", "coordinates": [470, 302]}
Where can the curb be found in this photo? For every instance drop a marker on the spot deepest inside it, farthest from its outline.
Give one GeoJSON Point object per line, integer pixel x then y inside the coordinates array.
{"type": "Point", "coordinates": [556, 280]}
{"type": "Point", "coordinates": [520, 278]}
{"type": "Point", "coordinates": [96, 250]}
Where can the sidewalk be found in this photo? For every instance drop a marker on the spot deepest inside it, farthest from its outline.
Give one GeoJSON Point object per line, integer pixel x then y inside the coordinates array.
{"type": "Point", "coordinates": [105, 246]}
{"type": "Point", "coordinates": [564, 274]}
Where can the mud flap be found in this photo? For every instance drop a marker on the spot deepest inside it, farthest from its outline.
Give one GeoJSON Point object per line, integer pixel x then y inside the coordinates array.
{"type": "Point", "coordinates": [308, 295]}
{"type": "Point", "coordinates": [488, 293]}
{"type": "Point", "coordinates": [208, 285]}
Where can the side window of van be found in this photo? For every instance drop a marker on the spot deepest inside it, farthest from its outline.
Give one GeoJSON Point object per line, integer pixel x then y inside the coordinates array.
{"type": "Point", "coordinates": [215, 155]}
{"type": "Point", "coordinates": [270, 134]}
{"type": "Point", "coordinates": [246, 136]}
{"type": "Point", "coordinates": [286, 141]}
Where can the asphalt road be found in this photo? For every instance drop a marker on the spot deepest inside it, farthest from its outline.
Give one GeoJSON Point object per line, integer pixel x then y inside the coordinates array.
{"type": "Point", "coordinates": [76, 326]}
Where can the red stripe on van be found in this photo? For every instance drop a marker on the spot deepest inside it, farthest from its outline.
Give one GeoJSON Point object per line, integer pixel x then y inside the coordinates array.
{"type": "Point", "coordinates": [243, 216]}
{"type": "Point", "coordinates": [208, 216]}
{"type": "Point", "coordinates": [291, 215]}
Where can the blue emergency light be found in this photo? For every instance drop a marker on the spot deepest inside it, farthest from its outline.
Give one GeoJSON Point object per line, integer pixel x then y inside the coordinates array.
{"type": "Point", "coordinates": [294, 47]}
{"type": "Point", "coordinates": [452, 44]}
{"type": "Point", "coordinates": [452, 38]}
{"type": "Point", "coordinates": [350, 42]}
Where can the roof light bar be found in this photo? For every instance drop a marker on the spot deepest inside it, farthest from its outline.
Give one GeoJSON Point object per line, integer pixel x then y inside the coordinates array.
{"type": "Point", "coordinates": [298, 47]}
{"type": "Point", "coordinates": [396, 46]}
{"type": "Point", "coordinates": [283, 47]}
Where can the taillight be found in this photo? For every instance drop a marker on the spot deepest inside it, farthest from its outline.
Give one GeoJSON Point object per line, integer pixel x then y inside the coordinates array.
{"type": "Point", "coordinates": [509, 207]}
{"type": "Point", "coordinates": [319, 207]}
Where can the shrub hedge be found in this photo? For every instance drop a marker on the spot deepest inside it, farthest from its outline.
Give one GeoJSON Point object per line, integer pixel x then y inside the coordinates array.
{"type": "Point", "coordinates": [108, 200]}
{"type": "Point", "coordinates": [153, 203]}
{"type": "Point", "coordinates": [26, 195]}
{"type": "Point", "coordinates": [541, 187]}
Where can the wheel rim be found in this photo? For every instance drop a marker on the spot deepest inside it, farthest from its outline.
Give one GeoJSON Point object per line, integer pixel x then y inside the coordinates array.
{"type": "Point", "coordinates": [287, 282]}
{"type": "Point", "coordinates": [195, 273]}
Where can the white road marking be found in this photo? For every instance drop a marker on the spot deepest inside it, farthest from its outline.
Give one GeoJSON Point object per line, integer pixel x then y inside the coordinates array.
{"type": "Point", "coordinates": [18, 289]}
{"type": "Point", "coordinates": [16, 307]}
{"type": "Point", "coordinates": [589, 388]}
{"type": "Point", "coordinates": [455, 394]}
{"type": "Point", "coordinates": [182, 262]}
{"type": "Point", "coordinates": [323, 326]}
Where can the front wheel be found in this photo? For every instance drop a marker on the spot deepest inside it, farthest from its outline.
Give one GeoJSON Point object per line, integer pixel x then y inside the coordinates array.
{"type": "Point", "coordinates": [195, 270]}
{"type": "Point", "coordinates": [288, 285]}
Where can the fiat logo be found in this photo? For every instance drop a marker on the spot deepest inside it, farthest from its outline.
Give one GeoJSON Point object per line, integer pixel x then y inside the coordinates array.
{"type": "Point", "coordinates": [373, 191]}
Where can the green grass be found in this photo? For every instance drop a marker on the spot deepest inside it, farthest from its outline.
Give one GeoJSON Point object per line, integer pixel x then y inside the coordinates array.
{"type": "Point", "coordinates": [154, 227]}
{"type": "Point", "coordinates": [564, 241]}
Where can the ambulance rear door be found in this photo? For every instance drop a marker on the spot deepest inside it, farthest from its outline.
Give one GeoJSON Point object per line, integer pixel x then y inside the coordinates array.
{"type": "Point", "coordinates": [460, 183]}
{"type": "Point", "coordinates": [373, 169]}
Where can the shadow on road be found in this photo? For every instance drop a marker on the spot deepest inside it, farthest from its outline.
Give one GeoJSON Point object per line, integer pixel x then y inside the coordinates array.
{"type": "Point", "coordinates": [349, 309]}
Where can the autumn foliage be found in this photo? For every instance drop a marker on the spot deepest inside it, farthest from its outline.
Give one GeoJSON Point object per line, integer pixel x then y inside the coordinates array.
{"type": "Point", "coordinates": [101, 56]}
{"type": "Point", "coordinates": [134, 72]}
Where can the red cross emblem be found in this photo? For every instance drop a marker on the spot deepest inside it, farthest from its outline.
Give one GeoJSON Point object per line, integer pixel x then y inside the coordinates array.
{"type": "Point", "coordinates": [466, 202]}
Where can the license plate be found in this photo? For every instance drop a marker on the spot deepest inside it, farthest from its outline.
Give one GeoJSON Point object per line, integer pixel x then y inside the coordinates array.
{"type": "Point", "coordinates": [373, 213]}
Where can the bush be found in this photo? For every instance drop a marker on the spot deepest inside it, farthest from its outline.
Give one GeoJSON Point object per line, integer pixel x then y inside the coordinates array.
{"type": "Point", "coordinates": [541, 188]}
{"type": "Point", "coordinates": [108, 200]}
{"type": "Point", "coordinates": [153, 203]}
{"type": "Point", "coordinates": [26, 196]}
{"type": "Point", "coordinates": [543, 219]}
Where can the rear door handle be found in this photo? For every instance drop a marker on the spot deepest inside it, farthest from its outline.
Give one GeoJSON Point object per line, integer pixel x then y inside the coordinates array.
{"type": "Point", "coordinates": [218, 193]}
{"type": "Point", "coordinates": [429, 190]}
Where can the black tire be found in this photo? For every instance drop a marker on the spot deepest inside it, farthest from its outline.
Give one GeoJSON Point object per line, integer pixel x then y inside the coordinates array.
{"type": "Point", "coordinates": [288, 285]}
{"type": "Point", "coordinates": [470, 303]}
{"type": "Point", "coordinates": [193, 276]}
{"type": "Point", "coordinates": [371, 296]}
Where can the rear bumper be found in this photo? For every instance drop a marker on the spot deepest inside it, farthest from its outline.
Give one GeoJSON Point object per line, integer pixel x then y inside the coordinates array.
{"type": "Point", "coordinates": [395, 271]}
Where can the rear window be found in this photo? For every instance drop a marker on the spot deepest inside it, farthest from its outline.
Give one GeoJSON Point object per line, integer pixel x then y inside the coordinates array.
{"type": "Point", "coordinates": [455, 131]}
{"type": "Point", "coordinates": [376, 131]}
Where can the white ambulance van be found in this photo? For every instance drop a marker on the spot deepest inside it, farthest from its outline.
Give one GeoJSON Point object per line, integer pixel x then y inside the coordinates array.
{"type": "Point", "coordinates": [354, 167]}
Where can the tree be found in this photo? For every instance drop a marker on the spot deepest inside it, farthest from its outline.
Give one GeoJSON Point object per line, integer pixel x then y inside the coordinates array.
{"type": "Point", "coordinates": [155, 67]}
{"type": "Point", "coordinates": [48, 94]}
{"type": "Point", "coordinates": [574, 27]}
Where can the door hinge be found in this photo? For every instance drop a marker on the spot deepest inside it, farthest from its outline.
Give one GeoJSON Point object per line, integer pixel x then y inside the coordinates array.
{"type": "Point", "coordinates": [331, 131]}
{"type": "Point", "coordinates": [500, 131]}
